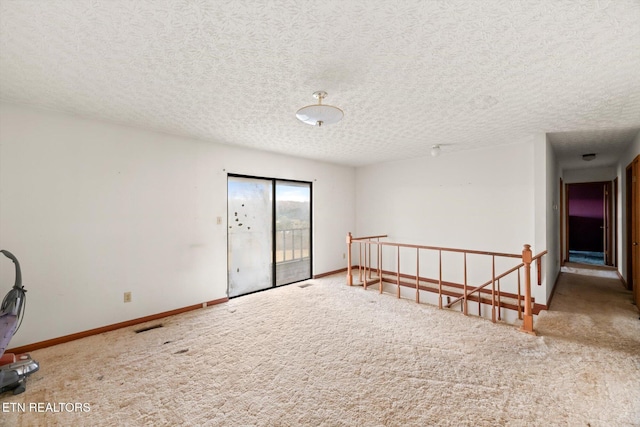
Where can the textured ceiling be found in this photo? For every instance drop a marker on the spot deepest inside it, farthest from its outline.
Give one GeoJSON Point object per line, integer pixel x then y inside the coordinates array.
{"type": "Point", "coordinates": [607, 145]}
{"type": "Point", "coordinates": [408, 74]}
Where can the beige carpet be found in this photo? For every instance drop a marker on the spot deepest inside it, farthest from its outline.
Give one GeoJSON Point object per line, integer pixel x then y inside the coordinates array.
{"type": "Point", "coordinates": [330, 355]}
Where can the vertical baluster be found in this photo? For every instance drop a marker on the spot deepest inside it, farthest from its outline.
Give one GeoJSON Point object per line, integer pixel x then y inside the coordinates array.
{"type": "Point", "coordinates": [365, 263]}
{"type": "Point", "coordinates": [519, 298]}
{"type": "Point", "coordinates": [499, 302]}
{"type": "Point", "coordinates": [439, 279]}
{"type": "Point", "coordinates": [380, 287]}
{"type": "Point", "coordinates": [539, 271]}
{"type": "Point", "coordinates": [378, 268]}
{"type": "Point", "coordinates": [464, 308]}
{"type": "Point", "coordinates": [349, 276]}
{"type": "Point", "coordinates": [284, 245]}
{"type": "Point", "coordinates": [369, 243]}
{"type": "Point", "coordinates": [398, 276]}
{"type": "Point", "coordinates": [380, 264]}
{"type": "Point", "coordinates": [418, 275]}
{"type": "Point", "coordinates": [480, 303]}
{"type": "Point", "coordinates": [359, 262]}
{"type": "Point", "coordinates": [493, 288]}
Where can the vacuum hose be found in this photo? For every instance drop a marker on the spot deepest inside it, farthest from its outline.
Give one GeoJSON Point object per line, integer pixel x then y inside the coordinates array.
{"type": "Point", "coordinates": [15, 301]}
{"type": "Point", "coordinates": [12, 257]}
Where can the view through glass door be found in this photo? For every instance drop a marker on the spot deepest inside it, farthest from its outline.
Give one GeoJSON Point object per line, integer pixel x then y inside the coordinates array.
{"type": "Point", "coordinates": [269, 233]}
{"type": "Point", "coordinates": [293, 232]}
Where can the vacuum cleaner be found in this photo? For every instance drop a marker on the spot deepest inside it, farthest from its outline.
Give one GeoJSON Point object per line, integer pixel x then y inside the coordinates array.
{"type": "Point", "coordinates": [14, 368]}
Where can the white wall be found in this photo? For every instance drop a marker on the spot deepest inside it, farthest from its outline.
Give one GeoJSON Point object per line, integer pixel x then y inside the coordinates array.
{"type": "Point", "coordinates": [575, 176]}
{"type": "Point", "coordinates": [482, 199]}
{"type": "Point", "coordinates": [551, 262]}
{"type": "Point", "coordinates": [540, 155]}
{"type": "Point", "coordinates": [92, 210]}
{"type": "Point", "coordinates": [625, 160]}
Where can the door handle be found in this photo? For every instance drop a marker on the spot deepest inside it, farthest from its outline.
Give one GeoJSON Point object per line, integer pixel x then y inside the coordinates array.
{"type": "Point", "coordinates": [635, 243]}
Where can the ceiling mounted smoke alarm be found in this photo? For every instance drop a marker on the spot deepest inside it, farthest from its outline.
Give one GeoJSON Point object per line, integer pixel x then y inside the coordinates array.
{"type": "Point", "coordinates": [319, 114]}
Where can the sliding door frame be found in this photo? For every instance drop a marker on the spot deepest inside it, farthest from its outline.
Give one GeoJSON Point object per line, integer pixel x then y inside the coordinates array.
{"type": "Point", "coordinates": [274, 181]}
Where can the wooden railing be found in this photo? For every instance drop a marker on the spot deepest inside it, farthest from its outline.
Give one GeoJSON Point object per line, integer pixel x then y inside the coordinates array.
{"type": "Point", "coordinates": [462, 293]}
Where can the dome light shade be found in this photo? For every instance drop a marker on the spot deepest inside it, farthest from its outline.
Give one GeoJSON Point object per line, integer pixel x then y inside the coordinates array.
{"type": "Point", "coordinates": [319, 114]}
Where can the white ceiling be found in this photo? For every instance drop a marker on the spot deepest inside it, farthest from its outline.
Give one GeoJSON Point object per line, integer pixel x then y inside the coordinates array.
{"type": "Point", "coordinates": [408, 73]}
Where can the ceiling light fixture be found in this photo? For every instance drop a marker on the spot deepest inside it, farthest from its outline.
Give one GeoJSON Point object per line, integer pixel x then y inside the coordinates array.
{"type": "Point", "coordinates": [588, 157]}
{"type": "Point", "coordinates": [435, 150]}
{"type": "Point", "coordinates": [319, 114]}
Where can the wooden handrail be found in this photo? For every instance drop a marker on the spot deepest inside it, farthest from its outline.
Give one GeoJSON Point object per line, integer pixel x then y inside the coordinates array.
{"type": "Point", "coordinates": [368, 237]}
{"type": "Point", "coordinates": [434, 248]}
{"type": "Point", "coordinates": [439, 248]}
{"type": "Point", "coordinates": [540, 255]}
{"type": "Point", "coordinates": [496, 293]}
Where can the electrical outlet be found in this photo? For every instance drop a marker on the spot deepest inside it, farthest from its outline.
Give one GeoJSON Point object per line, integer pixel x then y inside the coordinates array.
{"type": "Point", "coordinates": [344, 256]}
{"type": "Point", "coordinates": [219, 220]}
{"type": "Point", "coordinates": [127, 297]}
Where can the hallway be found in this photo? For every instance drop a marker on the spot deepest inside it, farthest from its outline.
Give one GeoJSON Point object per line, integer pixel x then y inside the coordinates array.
{"type": "Point", "coordinates": [592, 309]}
{"type": "Point", "coordinates": [594, 320]}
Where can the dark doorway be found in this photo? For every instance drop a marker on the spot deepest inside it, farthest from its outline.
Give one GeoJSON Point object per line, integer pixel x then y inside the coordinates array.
{"type": "Point", "coordinates": [632, 202]}
{"type": "Point", "coordinates": [590, 235]}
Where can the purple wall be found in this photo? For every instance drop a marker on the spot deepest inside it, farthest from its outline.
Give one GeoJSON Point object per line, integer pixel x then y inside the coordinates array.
{"type": "Point", "coordinates": [585, 200]}
{"type": "Point", "coordinates": [586, 216]}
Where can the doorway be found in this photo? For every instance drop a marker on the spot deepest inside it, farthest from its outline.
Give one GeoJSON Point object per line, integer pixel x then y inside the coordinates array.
{"type": "Point", "coordinates": [268, 234]}
{"type": "Point", "coordinates": [590, 235]}
{"type": "Point", "coordinates": [632, 199]}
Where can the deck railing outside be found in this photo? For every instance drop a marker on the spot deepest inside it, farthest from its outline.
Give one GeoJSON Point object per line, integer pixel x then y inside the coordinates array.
{"type": "Point", "coordinates": [292, 244]}
{"type": "Point", "coordinates": [370, 250]}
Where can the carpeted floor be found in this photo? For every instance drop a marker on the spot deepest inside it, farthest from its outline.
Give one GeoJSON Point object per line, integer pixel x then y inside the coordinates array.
{"type": "Point", "coordinates": [331, 355]}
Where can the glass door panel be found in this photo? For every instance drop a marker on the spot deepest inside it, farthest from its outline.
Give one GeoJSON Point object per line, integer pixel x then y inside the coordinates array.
{"type": "Point", "coordinates": [292, 232]}
{"type": "Point", "coordinates": [250, 222]}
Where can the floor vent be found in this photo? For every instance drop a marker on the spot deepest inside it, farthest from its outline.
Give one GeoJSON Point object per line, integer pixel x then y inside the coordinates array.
{"type": "Point", "coordinates": [148, 328]}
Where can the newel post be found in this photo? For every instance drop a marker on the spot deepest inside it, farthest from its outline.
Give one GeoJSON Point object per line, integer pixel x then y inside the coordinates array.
{"type": "Point", "coordinates": [527, 321]}
{"type": "Point", "coordinates": [349, 276]}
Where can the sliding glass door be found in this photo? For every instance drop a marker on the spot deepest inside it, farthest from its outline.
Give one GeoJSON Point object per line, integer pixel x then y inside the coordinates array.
{"type": "Point", "coordinates": [269, 233]}
{"type": "Point", "coordinates": [293, 232]}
